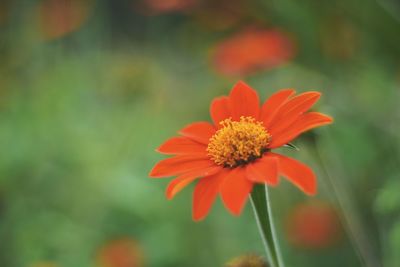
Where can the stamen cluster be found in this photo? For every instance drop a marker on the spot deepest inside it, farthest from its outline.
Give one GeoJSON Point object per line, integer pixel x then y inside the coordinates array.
{"type": "Point", "coordinates": [238, 142]}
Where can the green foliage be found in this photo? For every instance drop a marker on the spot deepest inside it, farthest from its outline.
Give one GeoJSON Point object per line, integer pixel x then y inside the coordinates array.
{"type": "Point", "coordinates": [81, 116]}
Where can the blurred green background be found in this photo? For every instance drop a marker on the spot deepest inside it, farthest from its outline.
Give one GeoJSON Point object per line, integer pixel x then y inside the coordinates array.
{"type": "Point", "coordinates": [90, 88]}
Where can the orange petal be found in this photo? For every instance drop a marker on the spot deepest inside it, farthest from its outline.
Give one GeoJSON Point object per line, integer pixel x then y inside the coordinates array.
{"type": "Point", "coordinates": [179, 165]}
{"type": "Point", "coordinates": [291, 113]}
{"type": "Point", "coordinates": [298, 173]}
{"type": "Point", "coordinates": [244, 101]}
{"type": "Point", "coordinates": [176, 185]}
{"type": "Point", "coordinates": [198, 131]}
{"type": "Point", "coordinates": [264, 170]}
{"type": "Point", "coordinates": [304, 123]}
{"type": "Point", "coordinates": [219, 110]}
{"type": "Point", "coordinates": [182, 145]}
{"type": "Point", "coordinates": [272, 104]}
{"type": "Point", "coordinates": [205, 193]}
{"type": "Point", "coordinates": [295, 101]}
{"type": "Point", "coordinates": [235, 190]}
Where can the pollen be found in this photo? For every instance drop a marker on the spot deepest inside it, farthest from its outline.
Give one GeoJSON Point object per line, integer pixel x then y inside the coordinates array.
{"type": "Point", "coordinates": [238, 142]}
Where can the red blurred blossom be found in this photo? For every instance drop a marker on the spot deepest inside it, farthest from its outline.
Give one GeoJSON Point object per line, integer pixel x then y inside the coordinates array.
{"type": "Point", "coordinates": [313, 225]}
{"type": "Point", "coordinates": [156, 7]}
{"type": "Point", "coordinates": [58, 18]}
{"type": "Point", "coordinates": [120, 253]}
{"type": "Point", "coordinates": [253, 50]}
{"type": "Point", "coordinates": [249, 260]}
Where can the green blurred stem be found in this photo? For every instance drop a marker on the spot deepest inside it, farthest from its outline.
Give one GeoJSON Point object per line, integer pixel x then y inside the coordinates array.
{"type": "Point", "coordinates": [263, 214]}
{"type": "Point", "coordinates": [351, 217]}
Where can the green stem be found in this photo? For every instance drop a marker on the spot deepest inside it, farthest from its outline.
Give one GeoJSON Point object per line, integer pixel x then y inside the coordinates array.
{"type": "Point", "coordinates": [263, 214]}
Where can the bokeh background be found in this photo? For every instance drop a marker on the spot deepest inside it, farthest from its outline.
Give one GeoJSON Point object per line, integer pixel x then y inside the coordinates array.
{"type": "Point", "coordinates": [90, 88]}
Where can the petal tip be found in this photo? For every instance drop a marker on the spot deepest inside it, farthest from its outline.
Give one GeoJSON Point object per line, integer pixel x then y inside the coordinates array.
{"type": "Point", "coordinates": [156, 172]}
{"type": "Point", "coordinates": [311, 192]}
{"type": "Point", "coordinates": [288, 91]}
{"type": "Point", "coordinates": [326, 118]}
{"type": "Point", "coordinates": [241, 85]}
{"type": "Point", "coordinates": [329, 119]}
{"type": "Point", "coordinates": [272, 183]}
{"type": "Point", "coordinates": [316, 93]}
{"type": "Point", "coordinates": [240, 82]}
{"type": "Point", "coordinates": [239, 211]}
{"type": "Point", "coordinates": [169, 196]}
{"type": "Point", "coordinates": [235, 211]}
{"type": "Point", "coordinates": [198, 217]}
{"type": "Point", "coordinates": [152, 173]}
{"type": "Point", "coordinates": [311, 95]}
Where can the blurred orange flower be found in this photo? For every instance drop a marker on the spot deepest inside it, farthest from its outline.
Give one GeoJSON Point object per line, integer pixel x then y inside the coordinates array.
{"type": "Point", "coordinates": [121, 253]}
{"type": "Point", "coordinates": [234, 153]}
{"type": "Point", "coordinates": [250, 260]}
{"type": "Point", "coordinates": [252, 50]}
{"type": "Point", "coordinates": [60, 17]}
{"type": "Point", "coordinates": [156, 7]}
{"type": "Point", "coordinates": [313, 225]}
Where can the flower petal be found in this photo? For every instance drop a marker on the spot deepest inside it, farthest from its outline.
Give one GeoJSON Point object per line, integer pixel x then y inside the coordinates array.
{"type": "Point", "coordinates": [264, 170]}
{"type": "Point", "coordinates": [182, 145]}
{"type": "Point", "coordinates": [205, 193]}
{"type": "Point", "coordinates": [297, 100]}
{"type": "Point", "coordinates": [198, 131]}
{"type": "Point", "coordinates": [272, 104]}
{"type": "Point", "coordinates": [179, 165]}
{"type": "Point", "coordinates": [177, 184]}
{"type": "Point", "coordinates": [291, 111]}
{"type": "Point", "coordinates": [298, 173]}
{"type": "Point", "coordinates": [244, 101]}
{"type": "Point", "coordinates": [235, 190]}
{"type": "Point", "coordinates": [304, 123]}
{"type": "Point", "coordinates": [219, 110]}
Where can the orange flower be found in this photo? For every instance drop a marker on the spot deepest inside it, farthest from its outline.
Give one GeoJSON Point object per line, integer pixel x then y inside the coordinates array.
{"type": "Point", "coordinates": [120, 253]}
{"type": "Point", "coordinates": [252, 50]}
{"type": "Point", "coordinates": [250, 260]}
{"type": "Point", "coordinates": [157, 7]}
{"type": "Point", "coordinates": [58, 18]}
{"type": "Point", "coordinates": [231, 155]}
{"type": "Point", "coordinates": [313, 225]}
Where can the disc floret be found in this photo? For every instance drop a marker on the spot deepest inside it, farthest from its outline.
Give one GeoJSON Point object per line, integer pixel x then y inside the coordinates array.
{"type": "Point", "coordinates": [238, 142]}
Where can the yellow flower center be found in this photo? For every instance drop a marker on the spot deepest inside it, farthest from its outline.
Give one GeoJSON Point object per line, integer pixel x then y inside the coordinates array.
{"type": "Point", "coordinates": [238, 142]}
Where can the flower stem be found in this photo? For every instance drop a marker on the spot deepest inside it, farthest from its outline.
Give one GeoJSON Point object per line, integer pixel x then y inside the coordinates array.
{"type": "Point", "coordinates": [263, 214]}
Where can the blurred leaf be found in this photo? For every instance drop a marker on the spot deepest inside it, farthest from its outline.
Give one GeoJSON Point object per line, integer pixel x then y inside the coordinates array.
{"type": "Point", "coordinates": [388, 199]}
